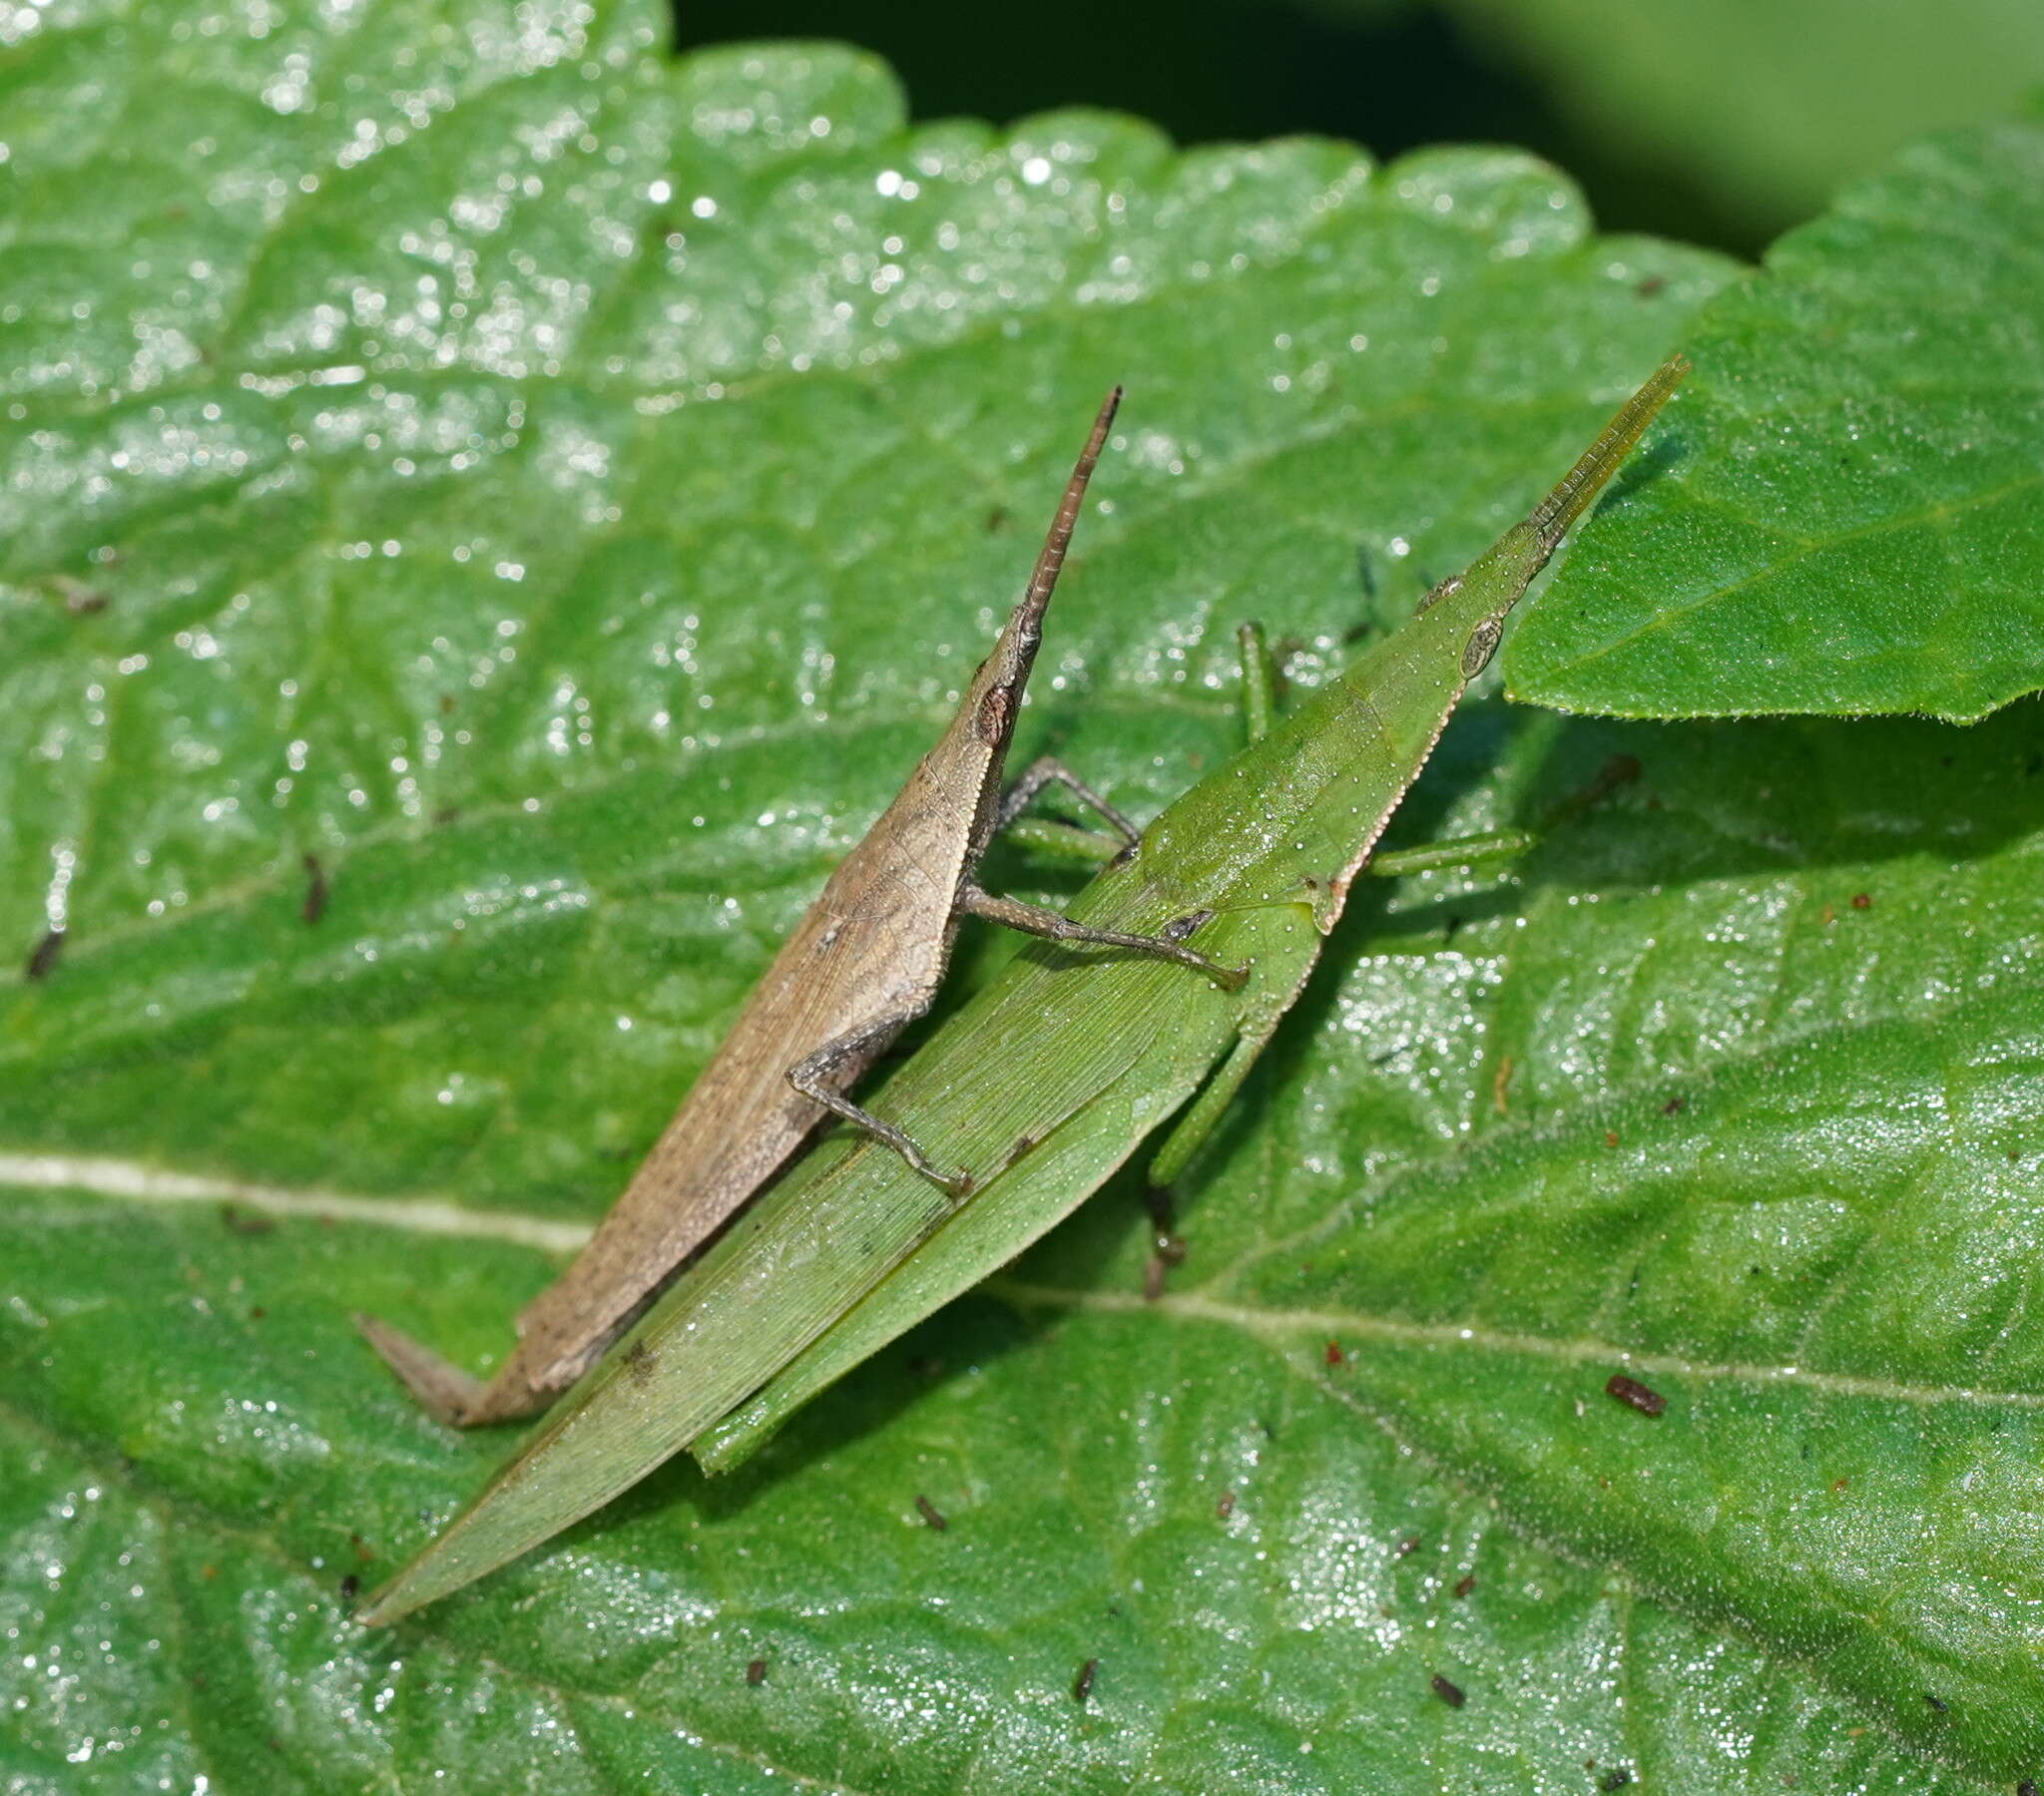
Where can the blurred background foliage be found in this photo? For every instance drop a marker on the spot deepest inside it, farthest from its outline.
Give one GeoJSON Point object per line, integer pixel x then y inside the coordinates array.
{"type": "Point", "coordinates": [1719, 122]}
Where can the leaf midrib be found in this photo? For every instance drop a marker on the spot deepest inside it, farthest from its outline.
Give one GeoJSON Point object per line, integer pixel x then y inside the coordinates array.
{"type": "Point", "coordinates": [1276, 1326]}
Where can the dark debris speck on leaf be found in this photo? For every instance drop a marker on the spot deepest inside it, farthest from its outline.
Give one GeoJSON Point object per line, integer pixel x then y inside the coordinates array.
{"type": "Point", "coordinates": [315, 906]}
{"type": "Point", "coordinates": [1634, 1395]}
{"type": "Point", "coordinates": [44, 955]}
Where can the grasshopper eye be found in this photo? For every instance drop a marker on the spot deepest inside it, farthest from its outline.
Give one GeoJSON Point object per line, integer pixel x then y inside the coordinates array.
{"type": "Point", "coordinates": [1482, 646]}
{"type": "Point", "coordinates": [996, 711]}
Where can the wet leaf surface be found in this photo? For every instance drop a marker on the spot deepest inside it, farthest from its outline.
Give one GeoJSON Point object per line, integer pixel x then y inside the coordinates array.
{"type": "Point", "coordinates": [557, 490]}
{"type": "Point", "coordinates": [1853, 514]}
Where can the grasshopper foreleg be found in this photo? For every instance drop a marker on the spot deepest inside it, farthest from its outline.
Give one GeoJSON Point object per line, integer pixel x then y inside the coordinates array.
{"type": "Point", "coordinates": [1047, 771]}
{"type": "Point", "coordinates": [1065, 840]}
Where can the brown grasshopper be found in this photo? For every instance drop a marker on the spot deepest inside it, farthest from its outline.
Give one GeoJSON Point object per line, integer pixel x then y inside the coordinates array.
{"type": "Point", "coordinates": [865, 960]}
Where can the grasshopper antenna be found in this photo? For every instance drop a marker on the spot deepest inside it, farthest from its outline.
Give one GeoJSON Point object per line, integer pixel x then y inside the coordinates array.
{"type": "Point", "coordinates": [1043, 578]}
{"type": "Point", "coordinates": [1599, 462]}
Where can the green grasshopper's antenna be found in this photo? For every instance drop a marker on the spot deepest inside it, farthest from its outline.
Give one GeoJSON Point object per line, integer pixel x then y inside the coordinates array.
{"type": "Point", "coordinates": [1599, 462]}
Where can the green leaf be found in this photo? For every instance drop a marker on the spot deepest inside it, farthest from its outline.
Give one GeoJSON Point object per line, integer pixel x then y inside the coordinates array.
{"type": "Point", "coordinates": [557, 490]}
{"type": "Point", "coordinates": [1766, 108]}
{"type": "Point", "coordinates": [1852, 518]}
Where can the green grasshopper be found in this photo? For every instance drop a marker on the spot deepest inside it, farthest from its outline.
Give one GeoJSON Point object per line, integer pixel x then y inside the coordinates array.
{"type": "Point", "coordinates": [1048, 1080]}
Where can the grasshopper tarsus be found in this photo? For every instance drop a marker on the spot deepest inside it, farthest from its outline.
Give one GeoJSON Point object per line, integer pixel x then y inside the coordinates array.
{"type": "Point", "coordinates": [807, 1075]}
{"type": "Point", "coordinates": [44, 956]}
{"type": "Point", "coordinates": [1228, 979]}
{"type": "Point", "coordinates": [957, 1184]}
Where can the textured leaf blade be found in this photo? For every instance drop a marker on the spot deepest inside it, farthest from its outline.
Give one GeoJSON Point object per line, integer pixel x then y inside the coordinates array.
{"type": "Point", "coordinates": [699, 511]}
{"type": "Point", "coordinates": [1851, 521]}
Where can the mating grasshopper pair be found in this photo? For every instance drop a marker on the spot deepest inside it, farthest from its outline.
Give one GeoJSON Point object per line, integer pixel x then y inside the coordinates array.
{"type": "Point", "coordinates": [873, 1231]}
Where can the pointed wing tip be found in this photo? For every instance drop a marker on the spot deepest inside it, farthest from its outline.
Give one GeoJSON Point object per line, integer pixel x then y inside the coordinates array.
{"type": "Point", "coordinates": [409, 1590]}
{"type": "Point", "coordinates": [387, 1603]}
{"type": "Point", "coordinates": [378, 1613]}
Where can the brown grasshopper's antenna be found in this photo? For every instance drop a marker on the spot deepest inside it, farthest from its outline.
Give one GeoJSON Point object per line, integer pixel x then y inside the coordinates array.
{"type": "Point", "coordinates": [1051, 558]}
